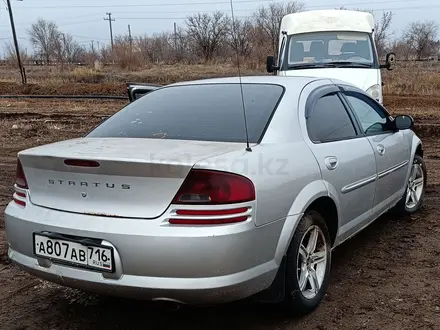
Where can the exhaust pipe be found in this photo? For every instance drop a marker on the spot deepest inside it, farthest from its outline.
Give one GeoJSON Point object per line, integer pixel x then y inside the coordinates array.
{"type": "Point", "coordinates": [169, 304]}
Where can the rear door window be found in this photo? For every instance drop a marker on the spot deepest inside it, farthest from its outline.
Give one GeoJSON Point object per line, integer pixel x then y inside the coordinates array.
{"type": "Point", "coordinates": [206, 112]}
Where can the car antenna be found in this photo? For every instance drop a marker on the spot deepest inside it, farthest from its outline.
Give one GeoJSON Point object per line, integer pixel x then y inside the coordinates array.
{"type": "Point", "coordinates": [248, 148]}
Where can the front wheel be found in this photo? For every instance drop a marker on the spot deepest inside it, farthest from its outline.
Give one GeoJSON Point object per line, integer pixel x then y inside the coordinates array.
{"type": "Point", "coordinates": [414, 195]}
{"type": "Point", "coordinates": [308, 264]}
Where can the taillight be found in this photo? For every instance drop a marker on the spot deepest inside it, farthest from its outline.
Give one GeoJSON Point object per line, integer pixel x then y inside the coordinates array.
{"type": "Point", "coordinates": [214, 187]}
{"type": "Point", "coordinates": [204, 187]}
{"type": "Point", "coordinates": [212, 212]}
{"type": "Point", "coordinates": [210, 217]}
{"type": "Point", "coordinates": [20, 178]}
{"type": "Point", "coordinates": [20, 183]}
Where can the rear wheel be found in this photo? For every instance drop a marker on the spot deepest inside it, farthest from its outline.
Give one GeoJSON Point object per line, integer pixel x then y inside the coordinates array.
{"type": "Point", "coordinates": [308, 264]}
{"type": "Point", "coordinates": [414, 195]}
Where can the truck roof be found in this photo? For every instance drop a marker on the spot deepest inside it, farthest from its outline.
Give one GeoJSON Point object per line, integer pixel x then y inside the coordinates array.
{"type": "Point", "coordinates": [327, 20]}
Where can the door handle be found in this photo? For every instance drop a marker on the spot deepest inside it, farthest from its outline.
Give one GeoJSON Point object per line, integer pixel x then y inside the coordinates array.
{"type": "Point", "coordinates": [331, 162]}
{"type": "Point", "coordinates": [380, 149]}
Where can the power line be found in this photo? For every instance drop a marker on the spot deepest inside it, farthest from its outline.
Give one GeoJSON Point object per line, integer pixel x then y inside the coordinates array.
{"type": "Point", "coordinates": [145, 5]}
{"type": "Point", "coordinates": [9, 38]}
{"type": "Point", "coordinates": [78, 22]}
{"type": "Point", "coordinates": [249, 16]}
{"type": "Point", "coordinates": [207, 3]}
{"type": "Point", "coordinates": [91, 38]}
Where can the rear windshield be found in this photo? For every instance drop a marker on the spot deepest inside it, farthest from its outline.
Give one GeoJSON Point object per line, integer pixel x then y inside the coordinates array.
{"type": "Point", "coordinates": [208, 112]}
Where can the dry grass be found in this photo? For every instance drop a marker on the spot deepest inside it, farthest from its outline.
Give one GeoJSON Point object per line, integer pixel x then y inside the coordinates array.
{"type": "Point", "coordinates": [406, 79]}
{"type": "Point", "coordinates": [161, 74]}
{"type": "Point", "coordinates": [58, 107]}
{"type": "Point", "coordinates": [413, 79]}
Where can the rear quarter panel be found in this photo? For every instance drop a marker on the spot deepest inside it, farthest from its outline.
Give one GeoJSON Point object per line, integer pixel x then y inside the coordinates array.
{"type": "Point", "coordinates": [281, 175]}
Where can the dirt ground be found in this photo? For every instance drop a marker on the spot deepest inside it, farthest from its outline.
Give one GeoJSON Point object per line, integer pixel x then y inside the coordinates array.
{"type": "Point", "coordinates": [386, 277]}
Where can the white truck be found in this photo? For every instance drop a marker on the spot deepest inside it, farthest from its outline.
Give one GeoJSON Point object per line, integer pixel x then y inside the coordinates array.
{"type": "Point", "coordinates": [334, 44]}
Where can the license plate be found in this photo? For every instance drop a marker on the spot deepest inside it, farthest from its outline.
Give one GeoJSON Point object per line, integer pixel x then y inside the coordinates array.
{"type": "Point", "coordinates": [68, 251]}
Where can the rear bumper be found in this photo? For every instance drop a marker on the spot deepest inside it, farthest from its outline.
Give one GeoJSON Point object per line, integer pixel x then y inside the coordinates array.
{"type": "Point", "coordinates": [181, 290]}
{"type": "Point", "coordinates": [154, 261]}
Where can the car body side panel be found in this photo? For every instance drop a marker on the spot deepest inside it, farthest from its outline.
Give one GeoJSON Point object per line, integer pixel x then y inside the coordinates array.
{"type": "Point", "coordinates": [392, 168]}
{"type": "Point", "coordinates": [354, 178]}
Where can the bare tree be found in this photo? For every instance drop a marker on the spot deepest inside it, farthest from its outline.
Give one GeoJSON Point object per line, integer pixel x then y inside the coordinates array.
{"type": "Point", "coordinates": [67, 49]}
{"type": "Point", "coordinates": [240, 37]}
{"type": "Point", "coordinates": [106, 54]}
{"type": "Point", "coordinates": [11, 55]}
{"type": "Point", "coordinates": [269, 18]}
{"type": "Point", "coordinates": [207, 32]}
{"type": "Point", "coordinates": [382, 32]}
{"type": "Point", "coordinates": [421, 37]}
{"type": "Point", "coordinates": [44, 37]}
{"type": "Point", "coordinates": [401, 49]}
{"type": "Point", "coordinates": [157, 48]}
{"type": "Point", "coordinates": [183, 46]}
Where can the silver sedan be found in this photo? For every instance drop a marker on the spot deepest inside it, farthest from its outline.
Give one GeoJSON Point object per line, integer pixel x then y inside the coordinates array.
{"type": "Point", "coordinates": [213, 191]}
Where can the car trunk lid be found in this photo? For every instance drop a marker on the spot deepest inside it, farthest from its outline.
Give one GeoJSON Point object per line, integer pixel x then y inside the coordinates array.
{"type": "Point", "coordinates": [136, 178]}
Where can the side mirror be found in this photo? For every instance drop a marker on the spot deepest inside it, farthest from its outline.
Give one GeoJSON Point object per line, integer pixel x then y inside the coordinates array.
{"type": "Point", "coordinates": [270, 63]}
{"type": "Point", "coordinates": [403, 122]}
{"type": "Point", "coordinates": [390, 61]}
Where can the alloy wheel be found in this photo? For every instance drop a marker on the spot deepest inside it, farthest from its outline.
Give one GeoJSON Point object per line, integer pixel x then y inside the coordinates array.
{"type": "Point", "coordinates": [415, 186]}
{"type": "Point", "coordinates": [312, 262]}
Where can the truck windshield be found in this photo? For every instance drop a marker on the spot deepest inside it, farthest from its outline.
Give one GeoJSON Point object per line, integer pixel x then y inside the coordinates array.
{"type": "Point", "coordinates": [333, 49]}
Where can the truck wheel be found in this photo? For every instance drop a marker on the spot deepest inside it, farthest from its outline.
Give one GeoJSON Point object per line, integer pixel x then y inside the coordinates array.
{"type": "Point", "coordinates": [308, 264]}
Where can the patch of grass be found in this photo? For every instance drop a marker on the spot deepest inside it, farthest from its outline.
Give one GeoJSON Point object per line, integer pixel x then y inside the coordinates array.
{"type": "Point", "coordinates": [408, 78]}
{"type": "Point", "coordinates": [422, 78]}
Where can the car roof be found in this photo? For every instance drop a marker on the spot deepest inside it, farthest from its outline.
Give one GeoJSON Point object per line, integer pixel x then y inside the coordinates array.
{"type": "Point", "coordinates": [285, 81]}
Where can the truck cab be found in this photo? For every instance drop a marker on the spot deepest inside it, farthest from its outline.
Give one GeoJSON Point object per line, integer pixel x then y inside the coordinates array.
{"type": "Point", "coordinates": [334, 44]}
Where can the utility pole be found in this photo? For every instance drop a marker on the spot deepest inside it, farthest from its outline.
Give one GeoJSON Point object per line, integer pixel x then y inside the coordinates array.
{"type": "Point", "coordinates": [130, 38]}
{"type": "Point", "coordinates": [110, 20]}
{"type": "Point", "coordinates": [175, 36]}
{"type": "Point", "coordinates": [17, 50]}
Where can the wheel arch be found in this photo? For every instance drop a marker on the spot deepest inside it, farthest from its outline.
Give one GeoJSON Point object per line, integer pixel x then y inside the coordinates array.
{"type": "Point", "coordinates": [326, 207]}
{"type": "Point", "coordinates": [416, 148]}
{"type": "Point", "coordinates": [315, 195]}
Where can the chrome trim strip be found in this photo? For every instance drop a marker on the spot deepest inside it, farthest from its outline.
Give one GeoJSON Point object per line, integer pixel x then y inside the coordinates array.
{"type": "Point", "coordinates": [392, 169]}
{"type": "Point", "coordinates": [358, 184]}
{"type": "Point", "coordinates": [364, 182]}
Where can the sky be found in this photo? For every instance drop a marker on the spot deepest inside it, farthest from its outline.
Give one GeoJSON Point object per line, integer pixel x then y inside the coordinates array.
{"type": "Point", "coordinates": [84, 19]}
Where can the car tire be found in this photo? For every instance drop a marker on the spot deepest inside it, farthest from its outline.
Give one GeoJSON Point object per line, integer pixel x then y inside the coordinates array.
{"type": "Point", "coordinates": [300, 298]}
{"type": "Point", "coordinates": [418, 168]}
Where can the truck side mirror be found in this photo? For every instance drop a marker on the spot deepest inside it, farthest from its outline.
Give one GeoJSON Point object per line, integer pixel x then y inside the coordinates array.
{"type": "Point", "coordinates": [270, 63]}
{"type": "Point", "coordinates": [390, 61]}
